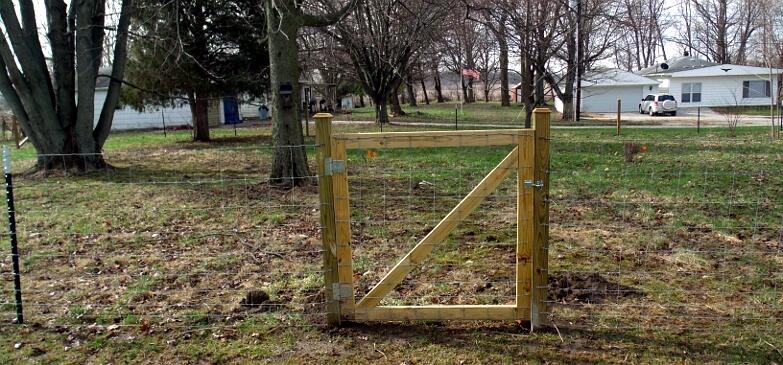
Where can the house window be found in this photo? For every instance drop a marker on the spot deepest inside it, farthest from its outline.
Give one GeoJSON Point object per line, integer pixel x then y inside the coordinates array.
{"type": "Point", "coordinates": [755, 89]}
{"type": "Point", "coordinates": [691, 93]}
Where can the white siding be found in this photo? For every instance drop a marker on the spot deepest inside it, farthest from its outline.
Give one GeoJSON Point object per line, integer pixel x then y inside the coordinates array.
{"type": "Point", "coordinates": [127, 118]}
{"type": "Point", "coordinates": [719, 91]}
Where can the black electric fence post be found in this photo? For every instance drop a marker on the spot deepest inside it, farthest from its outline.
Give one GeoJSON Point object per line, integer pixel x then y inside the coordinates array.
{"type": "Point", "coordinates": [9, 193]}
{"type": "Point", "coordinates": [455, 119]}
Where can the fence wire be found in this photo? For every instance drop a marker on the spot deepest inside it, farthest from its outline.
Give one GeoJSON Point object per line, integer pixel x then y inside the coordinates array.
{"type": "Point", "coordinates": [645, 234]}
{"type": "Point", "coordinates": [666, 234]}
{"type": "Point", "coordinates": [183, 237]}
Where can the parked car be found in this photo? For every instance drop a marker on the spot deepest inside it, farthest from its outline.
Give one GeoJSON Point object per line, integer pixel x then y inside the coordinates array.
{"type": "Point", "coordinates": [658, 104]}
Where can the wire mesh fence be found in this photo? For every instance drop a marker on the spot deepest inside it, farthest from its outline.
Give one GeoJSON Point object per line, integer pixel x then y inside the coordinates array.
{"type": "Point", "coordinates": [667, 233]}
{"type": "Point", "coordinates": [396, 204]}
{"type": "Point", "coordinates": [186, 237]}
{"type": "Point", "coordinates": [646, 233]}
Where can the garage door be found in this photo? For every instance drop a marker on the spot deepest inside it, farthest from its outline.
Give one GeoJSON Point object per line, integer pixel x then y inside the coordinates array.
{"type": "Point", "coordinates": [604, 99]}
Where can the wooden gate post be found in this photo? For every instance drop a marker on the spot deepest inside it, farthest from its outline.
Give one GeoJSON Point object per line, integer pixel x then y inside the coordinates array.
{"type": "Point", "coordinates": [323, 137]}
{"type": "Point", "coordinates": [538, 300]}
{"type": "Point", "coordinates": [538, 304]}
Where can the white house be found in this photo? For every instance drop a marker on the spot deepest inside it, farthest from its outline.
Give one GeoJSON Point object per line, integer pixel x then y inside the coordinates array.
{"type": "Point", "coordinates": [601, 91]}
{"type": "Point", "coordinates": [127, 118]}
{"type": "Point", "coordinates": [696, 82]}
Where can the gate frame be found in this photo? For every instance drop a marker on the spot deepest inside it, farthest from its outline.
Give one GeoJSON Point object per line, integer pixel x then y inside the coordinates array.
{"type": "Point", "coordinates": [530, 158]}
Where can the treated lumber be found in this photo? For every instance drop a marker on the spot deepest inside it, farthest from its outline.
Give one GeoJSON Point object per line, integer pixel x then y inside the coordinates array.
{"type": "Point", "coordinates": [342, 216]}
{"type": "Point", "coordinates": [443, 312]}
{"type": "Point", "coordinates": [471, 138]}
{"type": "Point", "coordinates": [538, 300]}
{"type": "Point", "coordinates": [323, 126]}
{"type": "Point", "coordinates": [525, 224]}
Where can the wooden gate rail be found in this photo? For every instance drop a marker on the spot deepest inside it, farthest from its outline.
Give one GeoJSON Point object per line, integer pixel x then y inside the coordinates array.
{"type": "Point", "coordinates": [530, 158]}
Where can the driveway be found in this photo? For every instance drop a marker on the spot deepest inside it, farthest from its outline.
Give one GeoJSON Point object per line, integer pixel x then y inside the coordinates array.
{"type": "Point", "coordinates": [685, 117]}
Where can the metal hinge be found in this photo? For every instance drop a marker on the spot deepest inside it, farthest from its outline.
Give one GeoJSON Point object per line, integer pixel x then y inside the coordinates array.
{"type": "Point", "coordinates": [332, 167]}
{"type": "Point", "coordinates": [529, 184]}
{"type": "Point", "coordinates": [340, 292]}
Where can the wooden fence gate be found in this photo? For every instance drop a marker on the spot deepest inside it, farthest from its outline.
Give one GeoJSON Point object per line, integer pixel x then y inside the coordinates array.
{"type": "Point", "coordinates": [529, 158]}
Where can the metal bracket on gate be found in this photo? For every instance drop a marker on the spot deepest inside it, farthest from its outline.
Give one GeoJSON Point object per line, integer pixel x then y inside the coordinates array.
{"type": "Point", "coordinates": [340, 292]}
{"type": "Point", "coordinates": [529, 184]}
{"type": "Point", "coordinates": [332, 167]}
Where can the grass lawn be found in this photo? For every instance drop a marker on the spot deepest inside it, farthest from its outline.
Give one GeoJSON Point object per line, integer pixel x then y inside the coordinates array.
{"type": "Point", "coordinates": [665, 249]}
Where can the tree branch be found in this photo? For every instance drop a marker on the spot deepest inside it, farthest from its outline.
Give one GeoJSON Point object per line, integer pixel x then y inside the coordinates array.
{"type": "Point", "coordinates": [310, 20]}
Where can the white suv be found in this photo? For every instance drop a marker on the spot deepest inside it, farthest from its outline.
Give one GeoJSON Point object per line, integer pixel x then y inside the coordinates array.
{"type": "Point", "coordinates": [658, 104]}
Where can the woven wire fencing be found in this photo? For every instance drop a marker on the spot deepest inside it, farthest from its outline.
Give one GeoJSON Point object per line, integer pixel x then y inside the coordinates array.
{"type": "Point", "coordinates": [645, 234]}
{"type": "Point", "coordinates": [680, 234]}
{"type": "Point", "coordinates": [398, 196]}
{"type": "Point", "coordinates": [188, 236]}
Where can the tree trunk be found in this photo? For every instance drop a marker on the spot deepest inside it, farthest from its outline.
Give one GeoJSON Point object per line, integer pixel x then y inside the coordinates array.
{"type": "Point", "coordinates": [464, 87]}
{"type": "Point", "coordinates": [540, 101]}
{"type": "Point", "coordinates": [290, 159]}
{"type": "Point", "coordinates": [424, 91]}
{"type": "Point", "coordinates": [381, 115]}
{"type": "Point", "coordinates": [411, 91]}
{"type": "Point", "coordinates": [199, 109]}
{"type": "Point", "coordinates": [471, 96]}
{"type": "Point", "coordinates": [395, 105]}
{"type": "Point", "coordinates": [505, 97]}
{"type": "Point", "coordinates": [438, 87]}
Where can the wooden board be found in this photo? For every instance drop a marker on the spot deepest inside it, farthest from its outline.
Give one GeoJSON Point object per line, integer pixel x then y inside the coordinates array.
{"type": "Point", "coordinates": [432, 139]}
{"type": "Point", "coordinates": [342, 215]}
{"type": "Point", "coordinates": [443, 312]}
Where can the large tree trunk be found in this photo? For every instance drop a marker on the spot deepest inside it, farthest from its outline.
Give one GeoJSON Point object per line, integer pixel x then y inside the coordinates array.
{"type": "Point", "coordinates": [396, 108]}
{"type": "Point", "coordinates": [290, 159]}
{"type": "Point", "coordinates": [199, 109]}
{"type": "Point", "coordinates": [381, 115]}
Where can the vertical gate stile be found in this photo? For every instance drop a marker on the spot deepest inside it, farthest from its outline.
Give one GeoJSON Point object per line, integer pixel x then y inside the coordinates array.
{"type": "Point", "coordinates": [540, 290]}
{"type": "Point", "coordinates": [343, 222]}
{"type": "Point", "coordinates": [323, 135]}
{"type": "Point", "coordinates": [525, 226]}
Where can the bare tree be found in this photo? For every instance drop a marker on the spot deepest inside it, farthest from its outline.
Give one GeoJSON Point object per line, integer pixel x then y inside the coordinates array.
{"type": "Point", "coordinates": [720, 30]}
{"type": "Point", "coordinates": [383, 39]}
{"type": "Point", "coordinates": [459, 45]}
{"type": "Point", "coordinates": [642, 23]}
{"type": "Point", "coordinates": [494, 16]}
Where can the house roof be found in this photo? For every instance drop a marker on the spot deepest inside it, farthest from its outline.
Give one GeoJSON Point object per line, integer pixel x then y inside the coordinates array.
{"type": "Point", "coordinates": [676, 64]}
{"type": "Point", "coordinates": [729, 70]}
{"type": "Point", "coordinates": [616, 77]}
